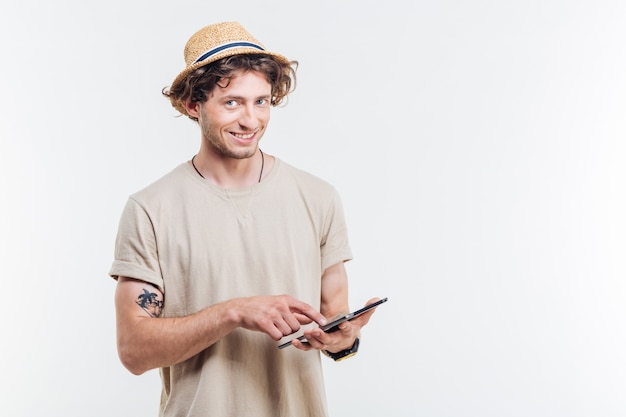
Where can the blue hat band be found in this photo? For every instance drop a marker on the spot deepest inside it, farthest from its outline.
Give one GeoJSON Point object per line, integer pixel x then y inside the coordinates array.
{"type": "Point", "coordinates": [230, 45]}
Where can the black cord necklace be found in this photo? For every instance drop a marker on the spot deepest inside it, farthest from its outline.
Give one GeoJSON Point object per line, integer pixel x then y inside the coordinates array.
{"type": "Point", "coordinates": [260, 175]}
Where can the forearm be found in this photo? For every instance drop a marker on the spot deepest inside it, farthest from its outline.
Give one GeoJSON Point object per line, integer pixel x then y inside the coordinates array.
{"type": "Point", "coordinates": [334, 291]}
{"type": "Point", "coordinates": [334, 303]}
{"type": "Point", "coordinates": [146, 342]}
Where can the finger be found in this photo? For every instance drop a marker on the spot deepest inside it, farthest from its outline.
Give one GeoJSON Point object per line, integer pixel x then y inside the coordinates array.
{"type": "Point", "coordinates": [284, 327]}
{"type": "Point", "coordinates": [273, 332]}
{"type": "Point", "coordinates": [372, 301]}
{"type": "Point", "coordinates": [364, 318]}
{"type": "Point", "coordinates": [346, 327]}
{"type": "Point", "coordinates": [316, 338]}
{"type": "Point", "coordinates": [270, 327]}
{"type": "Point", "coordinates": [306, 310]}
{"type": "Point", "coordinates": [293, 322]}
{"type": "Point", "coordinates": [301, 345]}
{"type": "Point", "coordinates": [302, 319]}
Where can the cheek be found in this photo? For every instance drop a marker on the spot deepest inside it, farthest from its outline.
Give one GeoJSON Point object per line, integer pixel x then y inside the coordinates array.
{"type": "Point", "coordinates": [264, 115]}
{"type": "Point", "coordinates": [219, 119]}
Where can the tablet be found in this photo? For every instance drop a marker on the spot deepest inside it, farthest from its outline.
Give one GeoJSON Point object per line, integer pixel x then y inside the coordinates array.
{"type": "Point", "coordinates": [334, 325]}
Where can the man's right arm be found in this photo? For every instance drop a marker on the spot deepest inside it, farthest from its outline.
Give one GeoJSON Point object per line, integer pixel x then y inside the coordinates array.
{"type": "Point", "coordinates": [145, 340]}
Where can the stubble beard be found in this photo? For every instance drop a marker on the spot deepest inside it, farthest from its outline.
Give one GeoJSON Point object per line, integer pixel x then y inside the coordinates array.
{"type": "Point", "coordinates": [219, 146]}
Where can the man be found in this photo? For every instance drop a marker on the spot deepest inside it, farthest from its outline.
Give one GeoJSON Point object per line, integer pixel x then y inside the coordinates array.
{"type": "Point", "coordinates": [232, 251]}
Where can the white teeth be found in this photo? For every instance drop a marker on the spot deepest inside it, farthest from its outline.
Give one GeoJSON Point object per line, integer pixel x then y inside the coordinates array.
{"type": "Point", "coordinates": [248, 136]}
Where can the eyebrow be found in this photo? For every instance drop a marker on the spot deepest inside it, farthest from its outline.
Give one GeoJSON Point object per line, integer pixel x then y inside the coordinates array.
{"type": "Point", "coordinates": [235, 97]}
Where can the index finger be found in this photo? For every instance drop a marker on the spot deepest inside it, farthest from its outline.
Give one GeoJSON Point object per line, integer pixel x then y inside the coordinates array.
{"type": "Point", "coordinates": [303, 309]}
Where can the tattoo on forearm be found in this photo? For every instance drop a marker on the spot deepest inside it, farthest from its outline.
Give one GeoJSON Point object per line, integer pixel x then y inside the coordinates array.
{"type": "Point", "coordinates": [150, 302]}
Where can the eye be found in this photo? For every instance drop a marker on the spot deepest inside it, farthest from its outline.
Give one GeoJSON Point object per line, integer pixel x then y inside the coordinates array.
{"type": "Point", "coordinates": [231, 103]}
{"type": "Point", "coordinates": [262, 101]}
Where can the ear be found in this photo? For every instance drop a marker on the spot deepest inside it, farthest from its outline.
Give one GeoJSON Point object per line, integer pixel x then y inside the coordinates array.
{"type": "Point", "coordinates": [193, 109]}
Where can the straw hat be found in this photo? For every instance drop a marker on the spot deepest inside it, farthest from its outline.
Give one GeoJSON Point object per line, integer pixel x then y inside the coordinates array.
{"type": "Point", "coordinates": [218, 41]}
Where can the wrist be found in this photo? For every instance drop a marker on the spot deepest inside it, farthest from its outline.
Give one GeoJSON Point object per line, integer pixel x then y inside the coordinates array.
{"type": "Point", "coordinates": [346, 353]}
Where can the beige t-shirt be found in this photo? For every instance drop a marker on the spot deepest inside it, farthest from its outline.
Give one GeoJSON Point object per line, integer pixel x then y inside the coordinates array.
{"type": "Point", "coordinates": [201, 244]}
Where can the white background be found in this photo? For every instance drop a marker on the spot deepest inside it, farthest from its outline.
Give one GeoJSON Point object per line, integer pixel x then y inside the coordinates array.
{"type": "Point", "coordinates": [478, 147]}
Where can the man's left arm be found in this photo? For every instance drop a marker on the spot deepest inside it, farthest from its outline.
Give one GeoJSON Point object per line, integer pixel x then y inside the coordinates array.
{"type": "Point", "coordinates": [334, 303]}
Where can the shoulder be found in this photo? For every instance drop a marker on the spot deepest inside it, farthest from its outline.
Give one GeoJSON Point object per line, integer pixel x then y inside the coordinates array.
{"type": "Point", "coordinates": [163, 188]}
{"type": "Point", "coordinates": [301, 185]}
{"type": "Point", "coordinates": [305, 178]}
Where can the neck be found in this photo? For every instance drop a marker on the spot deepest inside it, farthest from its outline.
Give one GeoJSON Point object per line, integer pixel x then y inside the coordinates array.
{"type": "Point", "coordinates": [237, 175]}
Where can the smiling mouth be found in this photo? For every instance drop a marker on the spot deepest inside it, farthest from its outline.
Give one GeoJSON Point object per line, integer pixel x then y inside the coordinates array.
{"type": "Point", "coordinates": [243, 135]}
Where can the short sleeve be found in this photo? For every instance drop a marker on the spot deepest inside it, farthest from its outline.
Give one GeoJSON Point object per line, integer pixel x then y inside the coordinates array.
{"type": "Point", "coordinates": [136, 254]}
{"type": "Point", "coordinates": [335, 246]}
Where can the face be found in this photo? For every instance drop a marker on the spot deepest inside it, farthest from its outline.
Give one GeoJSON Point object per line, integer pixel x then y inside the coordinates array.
{"type": "Point", "coordinates": [234, 118]}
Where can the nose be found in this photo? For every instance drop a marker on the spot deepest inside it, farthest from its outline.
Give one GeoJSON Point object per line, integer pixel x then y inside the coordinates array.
{"type": "Point", "coordinates": [248, 117]}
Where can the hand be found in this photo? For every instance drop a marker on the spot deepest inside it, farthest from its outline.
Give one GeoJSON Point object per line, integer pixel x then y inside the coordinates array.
{"type": "Point", "coordinates": [277, 316]}
{"type": "Point", "coordinates": [339, 340]}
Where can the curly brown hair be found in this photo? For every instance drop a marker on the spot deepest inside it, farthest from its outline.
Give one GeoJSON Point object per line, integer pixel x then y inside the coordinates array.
{"type": "Point", "coordinates": [199, 84]}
